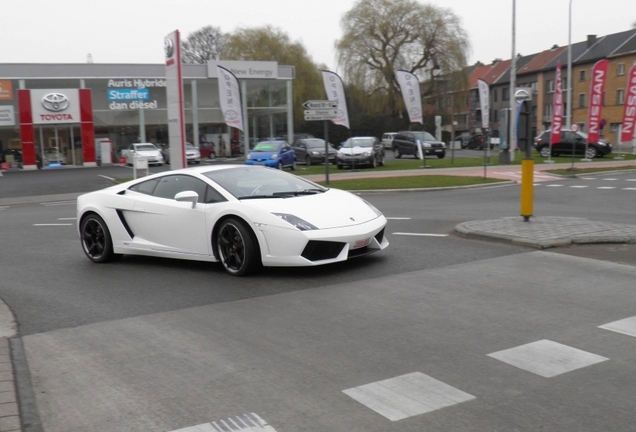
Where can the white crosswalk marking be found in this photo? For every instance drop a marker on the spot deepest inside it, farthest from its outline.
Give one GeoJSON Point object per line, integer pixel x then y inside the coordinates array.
{"type": "Point", "coordinates": [554, 185]}
{"type": "Point", "coordinates": [606, 187]}
{"type": "Point", "coordinates": [579, 186]}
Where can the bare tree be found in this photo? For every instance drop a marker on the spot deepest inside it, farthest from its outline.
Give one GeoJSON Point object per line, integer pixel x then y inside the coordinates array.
{"type": "Point", "coordinates": [205, 44]}
{"type": "Point", "coordinates": [272, 44]}
{"type": "Point", "coordinates": [381, 36]}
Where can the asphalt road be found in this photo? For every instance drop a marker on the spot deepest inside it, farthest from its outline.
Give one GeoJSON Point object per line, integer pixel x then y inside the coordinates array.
{"type": "Point", "coordinates": [148, 344]}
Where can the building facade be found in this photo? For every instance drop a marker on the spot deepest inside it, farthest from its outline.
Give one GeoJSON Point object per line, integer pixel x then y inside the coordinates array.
{"type": "Point", "coordinates": [67, 108]}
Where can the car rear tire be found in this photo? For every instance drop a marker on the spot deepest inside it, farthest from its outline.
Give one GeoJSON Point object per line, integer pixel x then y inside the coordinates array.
{"type": "Point", "coordinates": [441, 155]}
{"type": "Point", "coordinates": [374, 162]}
{"type": "Point", "coordinates": [237, 248]}
{"type": "Point", "coordinates": [280, 165]}
{"type": "Point", "coordinates": [382, 160]}
{"type": "Point", "coordinates": [96, 240]}
{"type": "Point", "coordinates": [544, 151]}
{"type": "Point", "coordinates": [396, 153]}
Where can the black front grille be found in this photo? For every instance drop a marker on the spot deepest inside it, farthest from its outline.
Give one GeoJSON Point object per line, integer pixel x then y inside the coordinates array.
{"type": "Point", "coordinates": [322, 250]}
{"type": "Point", "coordinates": [379, 236]}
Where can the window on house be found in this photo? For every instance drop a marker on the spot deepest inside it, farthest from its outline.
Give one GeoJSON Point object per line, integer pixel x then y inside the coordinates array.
{"type": "Point", "coordinates": [582, 100]}
{"type": "Point", "coordinates": [550, 86]}
{"type": "Point", "coordinates": [621, 69]}
{"type": "Point", "coordinates": [564, 82]}
{"type": "Point", "coordinates": [505, 93]}
{"type": "Point", "coordinates": [533, 86]}
{"type": "Point", "coordinates": [495, 94]}
{"type": "Point", "coordinates": [582, 75]}
{"type": "Point", "coordinates": [620, 96]}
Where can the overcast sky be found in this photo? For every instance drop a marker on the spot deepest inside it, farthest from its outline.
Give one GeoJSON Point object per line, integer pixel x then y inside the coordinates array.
{"type": "Point", "coordinates": [132, 31]}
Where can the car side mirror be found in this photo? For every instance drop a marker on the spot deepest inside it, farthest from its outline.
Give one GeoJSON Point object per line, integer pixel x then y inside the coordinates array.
{"type": "Point", "coordinates": [187, 196]}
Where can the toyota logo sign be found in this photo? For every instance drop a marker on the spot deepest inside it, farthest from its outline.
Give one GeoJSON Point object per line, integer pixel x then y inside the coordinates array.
{"type": "Point", "coordinates": [168, 47]}
{"type": "Point", "coordinates": [55, 102]}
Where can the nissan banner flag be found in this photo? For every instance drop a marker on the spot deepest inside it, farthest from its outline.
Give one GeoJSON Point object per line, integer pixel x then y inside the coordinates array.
{"type": "Point", "coordinates": [410, 86]}
{"type": "Point", "coordinates": [597, 88]}
{"type": "Point", "coordinates": [335, 92]}
{"type": "Point", "coordinates": [484, 100]}
{"type": "Point", "coordinates": [230, 98]}
{"type": "Point", "coordinates": [557, 107]}
{"type": "Point", "coordinates": [629, 108]}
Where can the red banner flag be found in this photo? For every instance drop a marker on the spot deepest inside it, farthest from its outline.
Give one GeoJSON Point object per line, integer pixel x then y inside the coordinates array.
{"type": "Point", "coordinates": [629, 109]}
{"type": "Point", "coordinates": [557, 108]}
{"type": "Point", "coordinates": [597, 88]}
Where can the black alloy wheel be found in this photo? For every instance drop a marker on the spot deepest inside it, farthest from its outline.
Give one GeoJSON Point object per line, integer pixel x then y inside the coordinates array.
{"type": "Point", "coordinates": [396, 153]}
{"type": "Point", "coordinates": [96, 241]}
{"type": "Point", "coordinates": [236, 248]}
{"type": "Point", "coordinates": [545, 151]}
{"type": "Point", "coordinates": [591, 153]}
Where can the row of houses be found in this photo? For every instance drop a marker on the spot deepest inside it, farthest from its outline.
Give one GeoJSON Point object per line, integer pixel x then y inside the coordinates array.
{"type": "Point", "coordinates": [537, 72]}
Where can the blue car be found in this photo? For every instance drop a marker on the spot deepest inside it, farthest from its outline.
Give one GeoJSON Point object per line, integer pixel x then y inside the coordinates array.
{"type": "Point", "coordinates": [273, 154]}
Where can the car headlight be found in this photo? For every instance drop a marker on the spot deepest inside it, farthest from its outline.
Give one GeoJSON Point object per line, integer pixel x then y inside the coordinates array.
{"type": "Point", "coordinates": [375, 210]}
{"type": "Point", "coordinates": [315, 153]}
{"type": "Point", "coordinates": [427, 145]}
{"type": "Point", "coordinates": [295, 221]}
{"type": "Point", "coordinates": [274, 156]}
{"type": "Point", "coordinates": [602, 143]}
{"type": "Point", "coordinates": [366, 154]}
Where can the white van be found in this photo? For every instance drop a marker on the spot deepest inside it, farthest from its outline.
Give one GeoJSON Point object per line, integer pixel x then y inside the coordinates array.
{"type": "Point", "coordinates": [387, 139]}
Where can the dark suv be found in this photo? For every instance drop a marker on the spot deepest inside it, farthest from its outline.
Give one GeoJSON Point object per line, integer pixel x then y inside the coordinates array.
{"type": "Point", "coordinates": [570, 140]}
{"type": "Point", "coordinates": [405, 143]}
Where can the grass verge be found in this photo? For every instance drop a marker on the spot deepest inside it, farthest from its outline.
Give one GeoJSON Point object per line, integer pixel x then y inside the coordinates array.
{"type": "Point", "coordinates": [408, 182]}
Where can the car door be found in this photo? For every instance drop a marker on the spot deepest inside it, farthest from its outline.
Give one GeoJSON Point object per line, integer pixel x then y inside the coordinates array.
{"type": "Point", "coordinates": [287, 155]}
{"type": "Point", "coordinates": [300, 148]}
{"type": "Point", "coordinates": [161, 223]}
{"type": "Point", "coordinates": [568, 142]}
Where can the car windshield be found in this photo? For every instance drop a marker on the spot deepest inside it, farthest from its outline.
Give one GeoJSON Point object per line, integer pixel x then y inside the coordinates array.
{"type": "Point", "coordinates": [359, 142]}
{"type": "Point", "coordinates": [315, 143]}
{"type": "Point", "coordinates": [190, 147]}
{"type": "Point", "coordinates": [424, 136]}
{"type": "Point", "coordinates": [249, 182]}
{"type": "Point", "coordinates": [267, 146]}
{"type": "Point", "coordinates": [145, 147]}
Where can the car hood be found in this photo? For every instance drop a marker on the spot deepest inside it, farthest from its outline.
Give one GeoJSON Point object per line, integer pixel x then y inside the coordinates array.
{"type": "Point", "coordinates": [318, 209]}
{"type": "Point", "coordinates": [148, 152]}
{"type": "Point", "coordinates": [261, 155]}
{"type": "Point", "coordinates": [355, 150]}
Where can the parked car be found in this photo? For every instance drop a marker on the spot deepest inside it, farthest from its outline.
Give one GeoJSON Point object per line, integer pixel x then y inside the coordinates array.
{"type": "Point", "coordinates": [275, 154]}
{"type": "Point", "coordinates": [241, 217]}
{"type": "Point", "coordinates": [361, 151]}
{"type": "Point", "coordinates": [148, 150]}
{"type": "Point", "coordinates": [570, 140]}
{"type": "Point", "coordinates": [207, 150]}
{"type": "Point", "coordinates": [387, 139]}
{"type": "Point", "coordinates": [405, 143]}
{"type": "Point", "coordinates": [478, 142]}
{"type": "Point", "coordinates": [53, 157]}
{"type": "Point", "coordinates": [312, 151]}
{"type": "Point", "coordinates": [193, 155]}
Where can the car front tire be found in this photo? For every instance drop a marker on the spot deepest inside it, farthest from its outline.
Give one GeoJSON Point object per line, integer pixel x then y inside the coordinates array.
{"type": "Point", "coordinates": [308, 160]}
{"type": "Point", "coordinates": [396, 153]}
{"type": "Point", "coordinates": [591, 153]}
{"type": "Point", "coordinates": [441, 155]}
{"type": "Point", "coordinates": [96, 240]}
{"type": "Point", "coordinates": [237, 248]}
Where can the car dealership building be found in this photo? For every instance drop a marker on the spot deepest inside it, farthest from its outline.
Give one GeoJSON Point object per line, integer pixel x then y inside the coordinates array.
{"type": "Point", "coordinates": [68, 108]}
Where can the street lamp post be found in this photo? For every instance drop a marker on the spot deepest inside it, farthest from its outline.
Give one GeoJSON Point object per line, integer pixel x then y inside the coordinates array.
{"type": "Point", "coordinates": [437, 71]}
{"type": "Point", "coordinates": [568, 115]}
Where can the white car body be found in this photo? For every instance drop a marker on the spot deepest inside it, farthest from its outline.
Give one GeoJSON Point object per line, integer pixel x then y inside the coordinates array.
{"type": "Point", "coordinates": [342, 224]}
{"type": "Point", "coordinates": [387, 139]}
{"type": "Point", "coordinates": [192, 154]}
{"type": "Point", "coordinates": [147, 150]}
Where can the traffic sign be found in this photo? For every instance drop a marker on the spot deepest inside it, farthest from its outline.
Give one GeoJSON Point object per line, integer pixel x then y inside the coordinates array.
{"type": "Point", "coordinates": [320, 104]}
{"type": "Point", "coordinates": [321, 114]}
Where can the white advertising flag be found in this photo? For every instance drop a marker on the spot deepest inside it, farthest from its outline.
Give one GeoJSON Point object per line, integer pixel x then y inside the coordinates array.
{"type": "Point", "coordinates": [230, 98]}
{"type": "Point", "coordinates": [484, 101]}
{"type": "Point", "coordinates": [410, 86]}
{"type": "Point", "coordinates": [335, 92]}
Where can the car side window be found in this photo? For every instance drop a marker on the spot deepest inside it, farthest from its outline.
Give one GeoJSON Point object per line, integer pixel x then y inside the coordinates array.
{"type": "Point", "coordinates": [170, 185]}
{"type": "Point", "coordinates": [148, 187]}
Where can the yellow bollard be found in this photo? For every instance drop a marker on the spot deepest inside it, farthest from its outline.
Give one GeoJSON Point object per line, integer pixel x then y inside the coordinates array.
{"type": "Point", "coordinates": [527, 188]}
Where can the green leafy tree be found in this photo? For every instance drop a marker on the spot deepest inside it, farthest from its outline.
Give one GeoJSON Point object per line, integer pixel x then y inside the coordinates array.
{"type": "Point", "coordinates": [272, 44]}
{"type": "Point", "coordinates": [202, 45]}
{"type": "Point", "coordinates": [381, 36]}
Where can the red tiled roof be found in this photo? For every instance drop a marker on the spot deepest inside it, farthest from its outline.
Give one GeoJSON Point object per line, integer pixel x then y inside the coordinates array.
{"type": "Point", "coordinates": [541, 60]}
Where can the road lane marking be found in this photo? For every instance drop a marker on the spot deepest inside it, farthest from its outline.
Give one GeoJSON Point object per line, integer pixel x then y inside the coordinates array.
{"type": "Point", "coordinates": [609, 179]}
{"type": "Point", "coordinates": [244, 423]}
{"type": "Point", "coordinates": [58, 203]}
{"type": "Point", "coordinates": [629, 188]}
{"type": "Point", "coordinates": [606, 187]}
{"type": "Point", "coordinates": [554, 185]}
{"type": "Point", "coordinates": [73, 218]}
{"type": "Point", "coordinates": [419, 234]}
{"type": "Point", "coordinates": [547, 358]}
{"type": "Point", "coordinates": [54, 224]}
{"type": "Point", "coordinates": [625, 326]}
{"type": "Point", "coordinates": [398, 218]}
{"type": "Point", "coordinates": [407, 396]}
{"type": "Point", "coordinates": [106, 177]}
{"type": "Point", "coordinates": [579, 186]}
